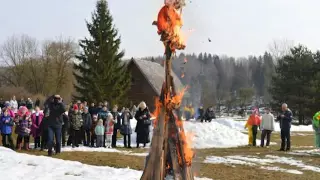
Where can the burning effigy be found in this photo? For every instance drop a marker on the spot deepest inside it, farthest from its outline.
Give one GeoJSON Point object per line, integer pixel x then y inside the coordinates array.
{"type": "Point", "coordinates": [170, 152]}
{"type": "Point", "coordinates": [169, 23]}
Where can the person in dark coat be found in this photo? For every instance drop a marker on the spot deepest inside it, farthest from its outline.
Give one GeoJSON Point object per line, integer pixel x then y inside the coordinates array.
{"type": "Point", "coordinates": [65, 128]}
{"type": "Point", "coordinates": [37, 103]}
{"type": "Point", "coordinates": [93, 126]}
{"type": "Point", "coordinates": [93, 110]}
{"type": "Point", "coordinates": [285, 120]}
{"type": "Point", "coordinates": [143, 124]}
{"type": "Point", "coordinates": [2, 103]}
{"type": "Point", "coordinates": [126, 129]}
{"type": "Point", "coordinates": [209, 115]}
{"type": "Point", "coordinates": [87, 123]}
{"type": "Point", "coordinates": [201, 113]}
{"type": "Point", "coordinates": [117, 125]}
{"type": "Point", "coordinates": [29, 104]}
{"type": "Point", "coordinates": [55, 121]}
{"type": "Point", "coordinates": [22, 102]}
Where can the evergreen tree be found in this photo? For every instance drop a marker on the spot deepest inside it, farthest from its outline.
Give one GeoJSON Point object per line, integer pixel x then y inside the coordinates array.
{"type": "Point", "coordinates": [293, 82]}
{"type": "Point", "coordinates": [101, 75]}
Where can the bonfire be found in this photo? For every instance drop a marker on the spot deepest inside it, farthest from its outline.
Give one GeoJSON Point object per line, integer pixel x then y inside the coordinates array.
{"type": "Point", "coordinates": [170, 153]}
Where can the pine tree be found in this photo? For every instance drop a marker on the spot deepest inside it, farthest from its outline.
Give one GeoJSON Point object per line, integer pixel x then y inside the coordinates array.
{"type": "Point", "coordinates": [293, 82]}
{"type": "Point", "coordinates": [100, 73]}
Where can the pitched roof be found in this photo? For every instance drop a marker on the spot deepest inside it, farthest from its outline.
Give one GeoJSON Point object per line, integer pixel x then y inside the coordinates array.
{"type": "Point", "coordinates": [155, 74]}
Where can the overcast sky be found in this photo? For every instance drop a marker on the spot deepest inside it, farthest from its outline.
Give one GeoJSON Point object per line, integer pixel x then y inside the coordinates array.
{"type": "Point", "coordinates": [236, 27]}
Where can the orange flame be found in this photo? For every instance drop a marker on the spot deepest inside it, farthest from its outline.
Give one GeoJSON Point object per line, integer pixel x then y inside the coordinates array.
{"type": "Point", "coordinates": [170, 22]}
{"type": "Point", "coordinates": [182, 75]}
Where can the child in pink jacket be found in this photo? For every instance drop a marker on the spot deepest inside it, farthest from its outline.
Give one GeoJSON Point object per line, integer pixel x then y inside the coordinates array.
{"type": "Point", "coordinates": [36, 119]}
{"type": "Point", "coordinates": [109, 129]}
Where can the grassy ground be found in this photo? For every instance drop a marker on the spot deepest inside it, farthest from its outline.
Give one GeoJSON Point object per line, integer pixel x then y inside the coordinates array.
{"type": "Point", "coordinates": [215, 171]}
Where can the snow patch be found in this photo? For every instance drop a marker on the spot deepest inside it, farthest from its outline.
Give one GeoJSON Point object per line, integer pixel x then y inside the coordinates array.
{"type": "Point", "coordinates": [45, 168]}
{"type": "Point", "coordinates": [312, 152]}
{"type": "Point", "coordinates": [264, 162]}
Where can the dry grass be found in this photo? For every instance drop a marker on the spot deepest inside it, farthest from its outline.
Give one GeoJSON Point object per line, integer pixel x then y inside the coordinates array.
{"type": "Point", "coordinates": [215, 171]}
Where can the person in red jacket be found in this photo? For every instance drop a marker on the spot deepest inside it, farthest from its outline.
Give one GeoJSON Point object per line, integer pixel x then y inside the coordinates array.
{"type": "Point", "coordinates": [254, 121]}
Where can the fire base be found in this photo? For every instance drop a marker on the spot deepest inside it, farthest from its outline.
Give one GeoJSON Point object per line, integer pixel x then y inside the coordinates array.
{"type": "Point", "coordinates": [168, 154]}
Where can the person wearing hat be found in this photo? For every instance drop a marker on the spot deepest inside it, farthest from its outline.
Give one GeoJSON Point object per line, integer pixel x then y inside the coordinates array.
{"type": "Point", "coordinates": [76, 122]}
{"type": "Point", "coordinates": [54, 111]}
{"type": "Point", "coordinates": [87, 123]}
{"type": "Point", "coordinates": [252, 124]}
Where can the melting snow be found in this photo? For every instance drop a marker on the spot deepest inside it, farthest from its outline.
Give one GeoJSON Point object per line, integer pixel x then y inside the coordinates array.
{"type": "Point", "coordinates": [264, 162]}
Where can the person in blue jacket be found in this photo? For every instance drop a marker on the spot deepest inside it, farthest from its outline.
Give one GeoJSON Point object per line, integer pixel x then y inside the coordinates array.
{"type": "Point", "coordinates": [285, 125]}
{"type": "Point", "coordinates": [6, 123]}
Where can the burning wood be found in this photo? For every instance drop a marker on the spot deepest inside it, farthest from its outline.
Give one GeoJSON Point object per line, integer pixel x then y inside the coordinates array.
{"type": "Point", "coordinates": [170, 153]}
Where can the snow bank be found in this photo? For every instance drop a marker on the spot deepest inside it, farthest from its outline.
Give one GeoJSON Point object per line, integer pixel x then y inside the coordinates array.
{"type": "Point", "coordinates": [239, 125]}
{"type": "Point", "coordinates": [265, 163]}
{"type": "Point", "coordinates": [214, 135]}
{"type": "Point", "coordinates": [45, 168]}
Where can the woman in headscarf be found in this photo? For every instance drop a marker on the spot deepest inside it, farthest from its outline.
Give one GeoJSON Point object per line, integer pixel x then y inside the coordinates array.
{"type": "Point", "coordinates": [143, 123]}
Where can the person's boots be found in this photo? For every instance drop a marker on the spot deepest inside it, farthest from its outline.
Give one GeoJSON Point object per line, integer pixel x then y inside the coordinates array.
{"type": "Point", "coordinates": [26, 146]}
{"type": "Point", "coordinates": [50, 153]}
{"type": "Point", "coordinates": [19, 146]}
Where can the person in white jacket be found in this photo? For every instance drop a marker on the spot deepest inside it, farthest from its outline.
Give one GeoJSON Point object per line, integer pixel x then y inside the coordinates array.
{"type": "Point", "coordinates": [14, 104]}
{"type": "Point", "coordinates": [267, 126]}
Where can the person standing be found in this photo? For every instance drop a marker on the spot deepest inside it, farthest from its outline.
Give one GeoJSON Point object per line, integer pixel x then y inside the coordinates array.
{"type": "Point", "coordinates": [316, 128]}
{"type": "Point", "coordinates": [35, 128]}
{"type": "Point", "coordinates": [267, 126]}
{"type": "Point", "coordinates": [200, 113]}
{"type": "Point", "coordinates": [209, 114]}
{"type": "Point", "coordinates": [37, 103]}
{"type": "Point", "coordinates": [252, 124]}
{"type": "Point", "coordinates": [93, 126]}
{"type": "Point", "coordinates": [65, 128]}
{"type": "Point", "coordinates": [29, 104]}
{"type": "Point", "coordinates": [55, 121]}
{"type": "Point", "coordinates": [143, 124]}
{"type": "Point", "coordinates": [285, 120]}
{"type": "Point", "coordinates": [87, 123]}
{"type": "Point", "coordinates": [6, 123]}
{"type": "Point", "coordinates": [23, 128]}
{"type": "Point", "coordinates": [103, 114]}
{"type": "Point", "coordinates": [117, 124]}
{"type": "Point", "coordinates": [76, 122]}
{"type": "Point", "coordinates": [126, 129]}
{"type": "Point", "coordinates": [99, 131]}
{"type": "Point", "coordinates": [14, 104]}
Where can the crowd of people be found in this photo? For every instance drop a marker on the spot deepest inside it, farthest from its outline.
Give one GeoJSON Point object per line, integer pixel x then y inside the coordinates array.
{"type": "Point", "coordinates": [98, 125]}
{"type": "Point", "coordinates": [55, 126]}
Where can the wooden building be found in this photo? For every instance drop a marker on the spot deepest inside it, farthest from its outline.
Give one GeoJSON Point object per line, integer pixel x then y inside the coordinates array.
{"type": "Point", "coordinates": [147, 80]}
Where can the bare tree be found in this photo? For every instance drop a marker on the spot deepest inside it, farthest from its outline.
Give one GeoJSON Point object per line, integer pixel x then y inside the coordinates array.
{"type": "Point", "coordinates": [280, 47]}
{"type": "Point", "coordinates": [14, 52]}
{"type": "Point", "coordinates": [60, 53]}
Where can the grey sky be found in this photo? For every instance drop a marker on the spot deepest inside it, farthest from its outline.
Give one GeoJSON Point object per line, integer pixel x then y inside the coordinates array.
{"type": "Point", "coordinates": [236, 27]}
